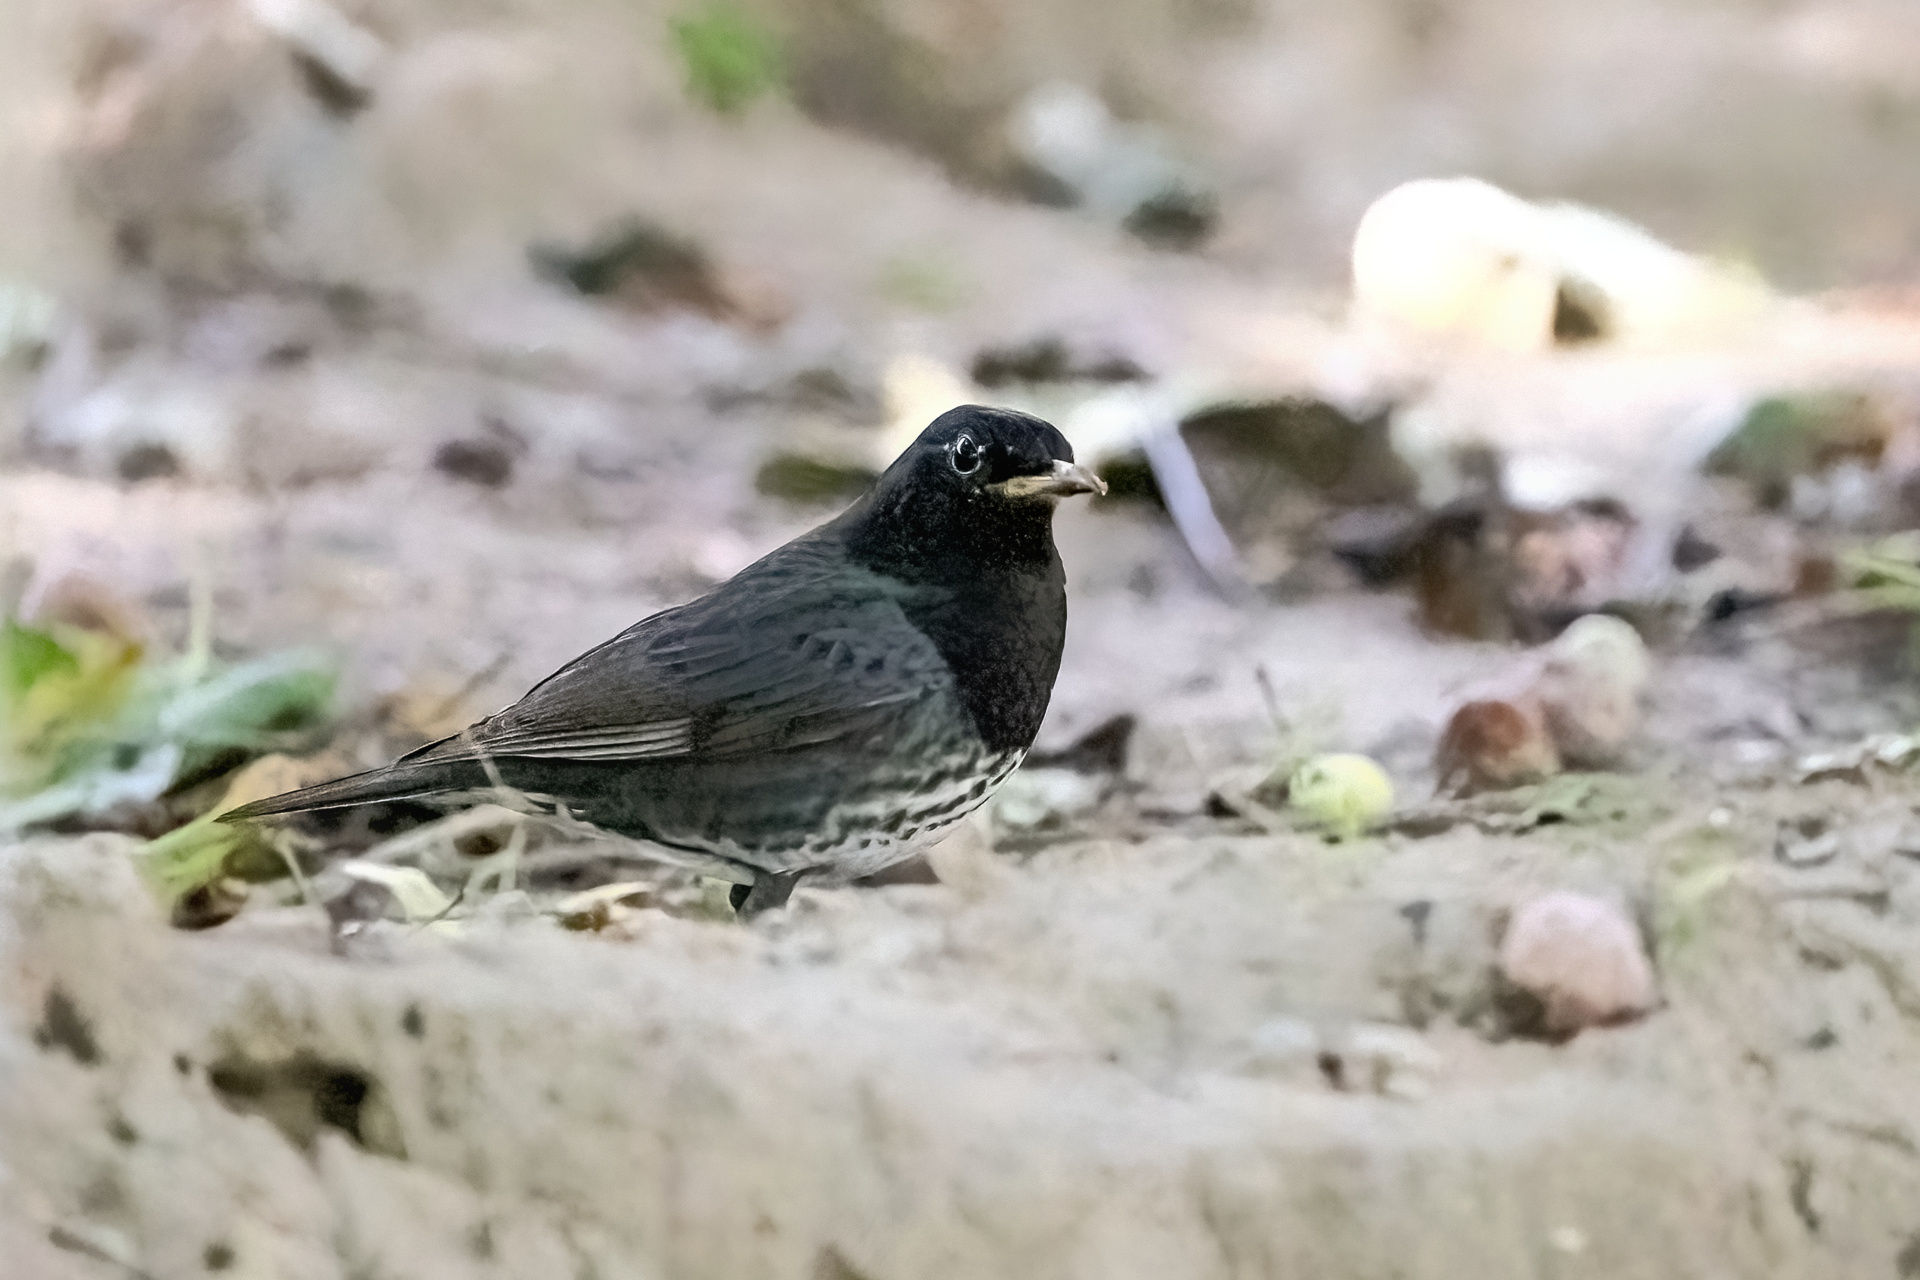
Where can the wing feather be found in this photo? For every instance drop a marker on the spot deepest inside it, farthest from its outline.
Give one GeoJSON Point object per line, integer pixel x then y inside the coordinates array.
{"type": "Point", "coordinates": [785, 655]}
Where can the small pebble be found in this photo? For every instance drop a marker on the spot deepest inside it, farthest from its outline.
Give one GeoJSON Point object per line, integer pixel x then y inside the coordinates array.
{"type": "Point", "coordinates": [1601, 642]}
{"type": "Point", "coordinates": [1590, 690]}
{"type": "Point", "coordinates": [1346, 794]}
{"type": "Point", "coordinates": [1582, 957]}
{"type": "Point", "coordinates": [405, 892]}
{"type": "Point", "coordinates": [1494, 744]}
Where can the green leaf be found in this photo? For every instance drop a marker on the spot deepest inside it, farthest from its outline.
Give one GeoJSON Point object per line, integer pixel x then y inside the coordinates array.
{"type": "Point", "coordinates": [241, 705]}
{"type": "Point", "coordinates": [730, 57]}
{"type": "Point", "coordinates": [184, 859]}
{"type": "Point", "coordinates": [61, 724]}
{"type": "Point", "coordinates": [26, 654]}
{"type": "Point", "coordinates": [94, 788]}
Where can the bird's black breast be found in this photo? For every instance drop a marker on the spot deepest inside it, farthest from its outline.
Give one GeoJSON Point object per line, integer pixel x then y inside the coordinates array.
{"type": "Point", "coordinates": [982, 580]}
{"type": "Point", "coordinates": [1001, 636]}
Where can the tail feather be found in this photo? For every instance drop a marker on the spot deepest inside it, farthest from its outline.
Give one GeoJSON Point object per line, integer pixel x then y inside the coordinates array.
{"type": "Point", "coordinates": [377, 786]}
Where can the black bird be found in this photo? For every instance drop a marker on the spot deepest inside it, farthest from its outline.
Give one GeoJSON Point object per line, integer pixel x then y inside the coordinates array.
{"type": "Point", "coordinates": [832, 707]}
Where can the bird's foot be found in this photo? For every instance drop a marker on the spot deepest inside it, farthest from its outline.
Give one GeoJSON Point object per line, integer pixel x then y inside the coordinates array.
{"type": "Point", "coordinates": [769, 890]}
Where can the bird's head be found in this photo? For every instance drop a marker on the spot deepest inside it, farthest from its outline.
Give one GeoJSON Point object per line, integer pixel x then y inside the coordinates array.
{"type": "Point", "coordinates": [977, 453]}
{"type": "Point", "coordinates": [979, 480]}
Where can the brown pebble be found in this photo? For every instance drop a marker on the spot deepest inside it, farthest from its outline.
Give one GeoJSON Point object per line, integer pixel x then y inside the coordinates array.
{"type": "Point", "coordinates": [1493, 744]}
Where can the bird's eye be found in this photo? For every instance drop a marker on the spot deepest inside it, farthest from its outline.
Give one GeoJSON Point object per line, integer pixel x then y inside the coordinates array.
{"type": "Point", "coordinates": [966, 456]}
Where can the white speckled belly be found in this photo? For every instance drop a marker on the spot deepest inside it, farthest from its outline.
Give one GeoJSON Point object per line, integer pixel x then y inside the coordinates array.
{"type": "Point", "coordinates": [867, 835]}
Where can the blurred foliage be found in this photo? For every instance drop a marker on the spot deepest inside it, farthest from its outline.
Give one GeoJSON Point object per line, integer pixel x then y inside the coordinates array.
{"type": "Point", "coordinates": [924, 283]}
{"type": "Point", "coordinates": [1049, 359]}
{"type": "Point", "coordinates": [1130, 478]}
{"type": "Point", "coordinates": [1250, 450]}
{"type": "Point", "coordinates": [642, 264]}
{"type": "Point", "coordinates": [730, 57]}
{"type": "Point", "coordinates": [88, 722]}
{"type": "Point", "coordinates": [798, 478]}
{"type": "Point", "coordinates": [1782, 437]}
{"type": "Point", "coordinates": [194, 868]}
{"type": "Point", "coordinates": [189, 857]}
{"type": "Point", "coordinates": [1885, 575]}
{"type": "Point", "coordinates": [1687, 892]}
{"type": "Point", "coordinates": [27, 655]}
{"type": "Point", "coordinates": [63, 686]}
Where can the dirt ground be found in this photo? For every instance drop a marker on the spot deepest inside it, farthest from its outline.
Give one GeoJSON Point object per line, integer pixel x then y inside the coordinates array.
{"type": "Point", "coordinates": [1155, 1042]}
{"type": "Point", "coordinates": [1157, 1034]}
{"type": "Point", "coordinates": [1184, 1050]}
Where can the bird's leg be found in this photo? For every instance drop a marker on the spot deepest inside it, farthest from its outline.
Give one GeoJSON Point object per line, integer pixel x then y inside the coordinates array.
{"type": "Point", "coordinates": [768, 890]}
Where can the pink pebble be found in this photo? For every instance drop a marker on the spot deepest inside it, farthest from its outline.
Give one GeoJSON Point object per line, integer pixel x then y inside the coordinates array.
{"type": "Point", "coordinates": [1582, 956]}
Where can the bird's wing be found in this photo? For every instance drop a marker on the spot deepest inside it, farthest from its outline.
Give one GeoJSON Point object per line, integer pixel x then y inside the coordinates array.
{"type": "Point", "coordinates": [772, 660]}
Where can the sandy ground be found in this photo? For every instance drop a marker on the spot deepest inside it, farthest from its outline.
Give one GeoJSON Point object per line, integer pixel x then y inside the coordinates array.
{"type": "Point", "coordinates": [1197, 1054]}
{"type": "Point", "coordinates": [1155, 1040]}
{"type": "Point", "coordinates": [1152, 1043]}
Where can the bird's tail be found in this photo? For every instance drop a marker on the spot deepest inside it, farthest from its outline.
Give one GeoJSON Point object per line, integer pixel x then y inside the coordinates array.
{"type": "Point", "coordinates": [401, 781]}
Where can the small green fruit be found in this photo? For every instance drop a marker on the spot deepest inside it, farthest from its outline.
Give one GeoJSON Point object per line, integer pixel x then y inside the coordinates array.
{"type": "Point", "coordinates": [1346, 794]}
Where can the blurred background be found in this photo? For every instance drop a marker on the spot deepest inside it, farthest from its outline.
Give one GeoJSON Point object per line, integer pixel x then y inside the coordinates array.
{"type": "Point", "coordinates": [1472, 834]}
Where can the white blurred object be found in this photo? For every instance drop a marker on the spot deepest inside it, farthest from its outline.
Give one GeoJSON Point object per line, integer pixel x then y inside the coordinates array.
{"type": "Point", "coordinates": [1849, 495]}
{"type": "Point", "coordinates": [1564, 432]}
{"type": "Point", "coordinates": [1461, 257]}
{"type": "Point", "coordinates": [1191, 509]}
{"type": "Point", "coordinates": [1653, 293]}
{"type": "Point", "coordinates": [916, 389]}
{"type": "Point", "coordinates": [1547, 482]}
{"type": "Point", "coordinates": [26, 318]}
{"type": "Point", "coordinates": [349, 52]}
{"type": "Point", "coordinates": [144, 405]}
{"type": "Point", "coordinates": [1112, 166]}
{"type": "Point", "coordinates": [1035, 798]}
{"type": "Point", "coordinates": [1148, 418]}
{"type": "Point", "coordinates": [1119, 419]}
{"type": "Point", "coordinates": [1064, 129]}
{"type": "Point", "coordinates": [1457, 256]}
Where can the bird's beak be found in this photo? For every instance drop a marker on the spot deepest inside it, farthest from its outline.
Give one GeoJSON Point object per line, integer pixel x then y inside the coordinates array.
{"type": "Point", "coordinates": [1065, 478]}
